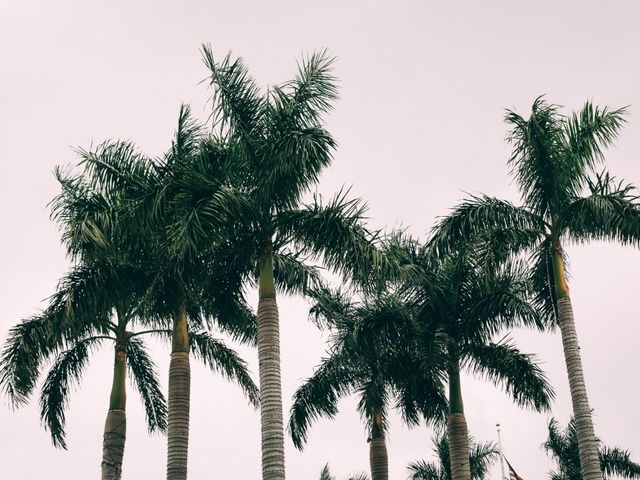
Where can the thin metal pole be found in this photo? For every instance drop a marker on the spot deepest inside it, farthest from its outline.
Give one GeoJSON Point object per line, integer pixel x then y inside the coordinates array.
{"type": "Point", "coordinates": [501, 456]}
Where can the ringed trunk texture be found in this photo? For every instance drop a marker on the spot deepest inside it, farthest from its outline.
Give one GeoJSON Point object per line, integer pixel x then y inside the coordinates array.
{"type": "Point", "coordinates": [115, 426]}
{"type": "Point", "coordinates": [589, 460]}
{"type": "Point", "coordinates": [271, 418]}
{"type": "Point", "coordinates": [587, 446]}
{"type": "Point", "coordinates": [378, 459]}
{"type": "Point", "coordinates": [178, 402]}
{"type": "Point", "coordinates": [457, 432]}
{"type": "Point", "coordinates": [270, 390]}
{"type": "Point", "coordinates": [458, 437]}
{"type": "Point", "coordinates": [115, 430]}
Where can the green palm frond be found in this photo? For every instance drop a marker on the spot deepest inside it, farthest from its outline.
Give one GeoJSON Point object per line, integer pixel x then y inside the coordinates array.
{"type": "Point", "coordinates": [293, 274]}
{"type": "Point", "coordinates": [334, 232]}
{"type": "Point", "coordinates": [86, 216]}
{"type": "Point", "coordinates": [318, 396]}
{"type": "Point", "coordinates": [238, 104]}
{"type": "Point", "coordinates": [188, 137]}
{"type": "Point", "coordinates": [519, 374]}
{"type": "Point", "coordinates": [221, 359]}
{"type": "Point", "coordinates": [28, 344]}
{"type": "Point", "coordinates": [78, 309]}
{"type": "Point", "coordinates": [562, 445]}
{"type": "Point", "coordinates": [325, 474]}
{"type": "Point", "coordinates": [483, 215]}
{"type": "Point", "coordinates": [330, 307]}
{"type": "Point", "coordinates": [116, 166]}
{"type": "Point", "coordinates": [143, 372]}
{"type": "Point", "coordinates": [588, 132]}
{"type": "Point", "coordinates": [617, 462]}
{"type": "Point", "coordinates": [292, 164]}
{"type": "Point", "coordinates": [543, 283]}
{"type": "Point", "coordinates": [481, 456]}
{"type": "Point", "coordinates": [537, 162]}
{"type": "Point", "coordinates": [66, 372]}
{"type": "Point", "coordinates": [422, 470]}
{"type": "Point", "coordinates": [610, 212]}
{"type": "Point", "coordinates": [497, 300]}
{"type": "Point", "coordinates": [313, 91]}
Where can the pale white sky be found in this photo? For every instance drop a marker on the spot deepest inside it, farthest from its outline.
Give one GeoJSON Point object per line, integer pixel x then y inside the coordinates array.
{"type": "Point", "coordinates": [423, 86]}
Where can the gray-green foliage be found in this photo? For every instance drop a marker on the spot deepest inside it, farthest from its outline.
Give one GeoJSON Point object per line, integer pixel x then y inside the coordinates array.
{"type": "Point", "coordinates": [562, 446]}
{"type": "Point", "coordinates": [481, 457]}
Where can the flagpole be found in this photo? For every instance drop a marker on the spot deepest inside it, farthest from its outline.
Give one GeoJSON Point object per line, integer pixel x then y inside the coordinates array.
{"type": "Point", "coordinates": [501, 455]}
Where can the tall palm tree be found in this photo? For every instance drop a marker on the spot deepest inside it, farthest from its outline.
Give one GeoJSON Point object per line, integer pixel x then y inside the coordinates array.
{"type": "Point", "coordinates": [369, 355]}
{"type": "Point", "coordinates": [81, 315]}
{"type": "Point", "coordinates": [481, 457]}
{"type": "Point", "coordinates": [92, 306]}
{"type": "Point", "coordinates": [464, 300]}
{"type": "Point", "coordinates": [564, 200]}
{"type": "Point", "coordinates": [563, 448]}
{"type": "Point", "coordinates": [278, 142]}
{"type": "Point", "coordinates": [142, 198]}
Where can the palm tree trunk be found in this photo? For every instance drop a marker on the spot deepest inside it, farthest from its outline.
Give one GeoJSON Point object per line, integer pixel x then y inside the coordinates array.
{"type": "Point", "coordinates": [378, 458]}
{"type": "Point", "coordinates": [179, 397]}
{"type": "Point", "coordinates": [457, 432]}
{"type": "Point", "coordinates": [587, 446]}
{"type": "Point", "coordinates": [115, 427]}
{"type": "Point", "coordinates": [270, 381]}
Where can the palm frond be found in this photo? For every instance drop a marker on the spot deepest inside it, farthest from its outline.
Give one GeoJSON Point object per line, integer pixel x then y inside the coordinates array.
{"type": "Point", "coordinates": [318, 396]}
{"type": "Point", "coordinates": [497, 300]}
{"type": "Point", "coordinates": [587, 133]}
{"type": "Point", "coordinates": [65, 373]}
{"type": "Point", "coordinates": [237, 101]}
{"type": "Point", "coordinates": [143, 372]}
{"type": "Point", "coordinates": [617, 462]}
{"type": "Point", "coordinates": [28, 344]}
{"type": "Point", "coordinates": [221, 359]}
{"type": "Point", "coordinates": [541, 277]}
{"type": "Point", "coordinates": [423, 470]}
{"type": "Point", "coordinates": [610, 212]}
{"type": "Point", "coordinates": [538, 162]}
{"type": "Point", "coordinates": [518, 373]}
{"type": "Point", "coordinates": [335, 233]}
{"type": "Point", "coordinates": [293, 274]}
{"type": "Point", "coordinates": [325, 474]}
{"type": "Point", "coordinates": [314, 88]}
{"type": "Point", "coordinates": [116, 166]}
{"type": "Point", "coordinates": [483, 215]}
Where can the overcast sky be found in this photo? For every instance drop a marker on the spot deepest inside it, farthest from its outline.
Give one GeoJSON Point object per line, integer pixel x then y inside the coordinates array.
{"type": "Point", "coordinates": [419, 123]}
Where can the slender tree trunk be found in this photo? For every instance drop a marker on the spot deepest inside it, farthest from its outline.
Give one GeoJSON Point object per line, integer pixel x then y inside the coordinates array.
{"type": "Point", "coordinates": [270, 381]}
{"type": "Point", "coordinates": [457, 432]}
{"type": "Point", "coordinates": [587, 446]}
{"type": "Point", "coordinates": [378, 458]}
{"type": "Point", "coordinates": [115, 427]}
{"type": "Point", "coordinates": [179, 397]}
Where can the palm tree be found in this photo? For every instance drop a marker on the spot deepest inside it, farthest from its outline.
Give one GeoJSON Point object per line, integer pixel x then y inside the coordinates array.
{"type": "Point", "coordinates": [280, 146]}
{"type": "Point", "coordinates": [464, 300]}
{"type": "Point", "coordinates": [77, 321]}
{"type": "Point", "coordinates": [553, 161]}
{"type": "Point", "coordinates": [563, 448]}
{"type": "Point", "coordinates": [369, 355]}
{"type": "Point", "coordinates": [139, 200]}
{"type": "Point", "coordinates": [80, 317]}
{"type": "Point", "coordinates": [481, 457]}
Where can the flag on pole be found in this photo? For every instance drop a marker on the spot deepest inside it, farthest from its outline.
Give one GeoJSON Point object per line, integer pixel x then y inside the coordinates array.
{"type": "Point", "coordinates": [512, 473]}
